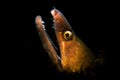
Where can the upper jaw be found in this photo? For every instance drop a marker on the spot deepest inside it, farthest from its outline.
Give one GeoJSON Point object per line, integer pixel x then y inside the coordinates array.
{"type": "Point", "coordinates": [60, 22]}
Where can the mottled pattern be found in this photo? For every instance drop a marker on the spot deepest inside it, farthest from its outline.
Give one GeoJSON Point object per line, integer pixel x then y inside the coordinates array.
{"type": "Point", "coordinates": [75, 56]}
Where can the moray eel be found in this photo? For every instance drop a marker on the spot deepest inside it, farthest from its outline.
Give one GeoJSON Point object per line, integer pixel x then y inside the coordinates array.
{"type": "Point", "coordinates": [75, 56]}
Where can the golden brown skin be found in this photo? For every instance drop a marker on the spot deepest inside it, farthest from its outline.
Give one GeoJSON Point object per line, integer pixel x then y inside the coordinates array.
{"type": "Point", "coordinates": [75, 56]}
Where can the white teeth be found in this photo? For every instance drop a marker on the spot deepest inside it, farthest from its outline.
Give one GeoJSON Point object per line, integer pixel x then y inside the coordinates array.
{"type": "Point", "coordinates": [43, 22]}
{"type": "Point", "coordinates": [39, 22]}
{"type": "Point", "coordinates": [52, 19]}
{"type": "Point", "coordinates": [44, 27]}
{"type": "Point", "coordinates": [53, 27]}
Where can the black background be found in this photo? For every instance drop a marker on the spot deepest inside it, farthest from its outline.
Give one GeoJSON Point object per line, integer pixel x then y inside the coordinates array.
{"type": "Point", "coordinates": [91, 21]}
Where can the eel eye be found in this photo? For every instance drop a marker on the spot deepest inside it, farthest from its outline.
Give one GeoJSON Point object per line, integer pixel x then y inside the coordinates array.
{"type": "Point", "coordinates": [68, 35]}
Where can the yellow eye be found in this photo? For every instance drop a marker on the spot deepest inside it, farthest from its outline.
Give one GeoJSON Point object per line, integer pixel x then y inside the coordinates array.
{"type": "Point", "coordinates": [68, 35]}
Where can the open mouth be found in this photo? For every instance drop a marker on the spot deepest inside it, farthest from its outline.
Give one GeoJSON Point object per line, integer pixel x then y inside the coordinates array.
{"type": "Point", "coordinates": [74, 55]}
{"type": "Point", "coordinates": [46, 41]}
{"type": "Point", "coordinates": [60, 25]}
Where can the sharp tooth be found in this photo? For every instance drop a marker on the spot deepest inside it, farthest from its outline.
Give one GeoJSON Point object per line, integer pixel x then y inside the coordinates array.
{"type": "Point", "coordinates": [44, 27]}
{"type": "Point", "coordinates": [43, 22]}
{"type": "Point", "coordinates": [40, 22]}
